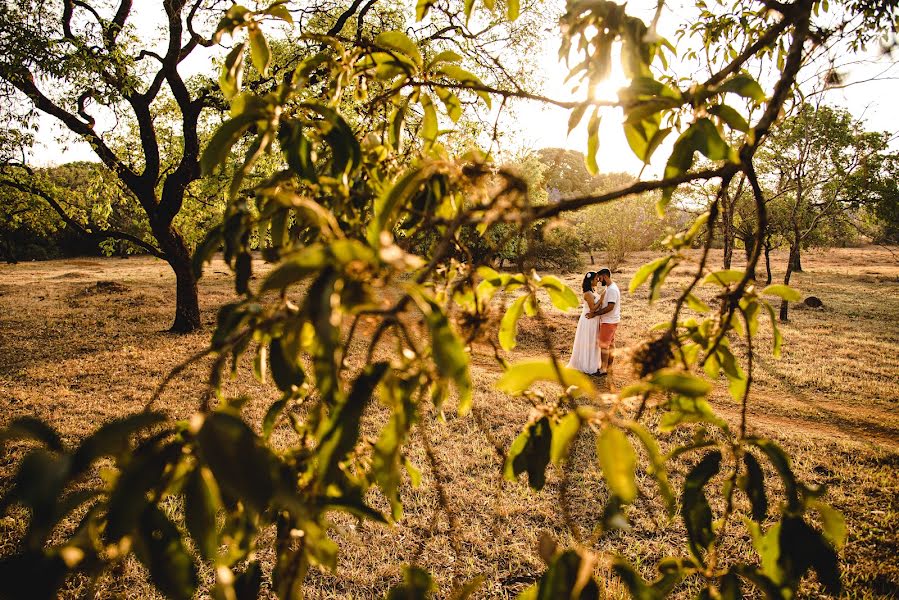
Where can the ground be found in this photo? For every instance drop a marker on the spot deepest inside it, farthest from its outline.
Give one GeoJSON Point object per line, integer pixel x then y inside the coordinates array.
{"type": "Point", "coordinates": [83, 341]}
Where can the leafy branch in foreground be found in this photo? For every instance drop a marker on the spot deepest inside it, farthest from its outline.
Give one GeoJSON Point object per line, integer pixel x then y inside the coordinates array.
{"type": "Point", "coordinates": [350, 322]}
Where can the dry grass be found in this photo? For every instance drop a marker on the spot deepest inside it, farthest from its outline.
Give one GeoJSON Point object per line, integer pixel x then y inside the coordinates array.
{"type": "Point", "coordinates": [78, 351]}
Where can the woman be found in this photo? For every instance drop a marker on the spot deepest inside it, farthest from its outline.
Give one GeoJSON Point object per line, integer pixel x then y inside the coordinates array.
{"type": "Point", "coordinates": [585, 352]}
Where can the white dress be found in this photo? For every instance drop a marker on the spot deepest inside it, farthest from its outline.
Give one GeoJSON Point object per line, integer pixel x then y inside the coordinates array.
{"type": "Point", "coordinates": [585, 352]}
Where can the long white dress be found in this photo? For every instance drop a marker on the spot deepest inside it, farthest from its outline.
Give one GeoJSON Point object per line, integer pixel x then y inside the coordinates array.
{"type": "Point", "coordinates": [585, 352]}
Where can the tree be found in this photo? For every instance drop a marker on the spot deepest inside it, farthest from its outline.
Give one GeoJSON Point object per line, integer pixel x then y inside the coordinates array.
{"type": "Point", "coordinates": [76, 60]}
{"type": "Point", "coordinates": [817, 166]}
{"type": "Point", "coordinates": [330, 217]}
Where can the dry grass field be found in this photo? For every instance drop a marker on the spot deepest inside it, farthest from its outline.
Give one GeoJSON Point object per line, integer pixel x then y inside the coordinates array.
{"type": "Point", "coordinates": [81, 342]}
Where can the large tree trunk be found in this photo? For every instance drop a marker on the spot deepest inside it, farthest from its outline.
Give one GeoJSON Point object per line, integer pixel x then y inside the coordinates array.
{"type": "Point", "coordinates": [187, 304]}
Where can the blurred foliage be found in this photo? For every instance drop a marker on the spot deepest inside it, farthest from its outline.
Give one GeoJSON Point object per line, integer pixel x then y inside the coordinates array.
{"type": "Point", "coordinates": [372, 235]}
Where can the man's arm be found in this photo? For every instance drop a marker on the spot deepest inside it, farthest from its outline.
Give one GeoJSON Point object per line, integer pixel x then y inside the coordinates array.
{"type": "Point", "coordinates": [601, 311]}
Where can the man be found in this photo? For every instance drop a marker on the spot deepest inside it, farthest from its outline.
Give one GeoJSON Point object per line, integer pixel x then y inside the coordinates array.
{"type": "Point", "coordinates": [609, 314]}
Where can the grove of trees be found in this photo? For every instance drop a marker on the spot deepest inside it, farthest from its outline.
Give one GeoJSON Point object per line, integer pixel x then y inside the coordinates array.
{"type": "Point", "coordinates": [374, 229]}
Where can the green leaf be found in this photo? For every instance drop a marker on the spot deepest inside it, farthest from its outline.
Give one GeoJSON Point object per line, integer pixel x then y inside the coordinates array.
{"type": "Point", "coordinates": [449, 353]}
{"type": "Point", "coordinates": [128, 498]}
{"type": "Point", "coordinates": [681, 382]}
{"type": "Point", "coordinates": [683, 409]}
{"type": "Point", "coordinates": [232, 72]}
{"type": "Point", "coordinates": [422, 7]}
{"type": "Point", "coordinates": [399, 42]}
{"type": "Point", "coordinates": [695, 509]}
{"type": "Point", "coordinates": [446, 56]}
{"type": "Point", "coordinates": [657, 466]}
{"type": "Point", "coordinates": [467, 590]}
{"type": "Point", "coordinates": [563, 433]}
{"type": "Point", "coordinates": [271, 417]}
{"type": "Point", "coordinates": [577, 113]}
{"type": "Point", "coordinates": [307, 262]}
{"type": "Point", "coordinates": [833, 522]}
{"type": "Point", "coordinates": [803, 548]}
{"type": "Point", "coordinates": [341, 432]}
{"type": "Point", "coordinates": [730, 587]}
{"type": "Point", "coordinates": [354, 506]}
{"type": "Point", "coordinates": [730, 116]}
{"type": "Point", "coordinates": [113, 438]}
{"type": "Point", "coordinates": [247, 584]}
{"type": "Point", "coordinates": [566, 577]}
{"type": "Point", "coordinates": [451, 103]}
{"type": "Point", "coordinates": [223, 139]}
{"type": "Point", "coordinates": [508, 327]}
{"type": "Point", "coordinates": [160, 548]}
{"type": "Point", "coordinates": [514, 9]}
{"type": "Point", "coordinates": [260, 53]}
{"type": "Point", "coordinates": [429, 121]}
{"type": "Point", "coordinates": [559, 294]}
{"type": "Point", "coordinates": [724, 277]}
{"type": "Point", "coordinates": [530, 452]}
{"type": "Point", "coordinates": [782, 291]}
{"type": "Point", "coordinates": [707, 140]}
{"type": "Point", "coordinates": [521, 376]}
{"type": "Point", "coordinates": [462, 76]}
{"type": "Point", "coordinates": [654, 142]}
{"type": "Point", "coordinates": [286, 370]}
{"type": "Point", "coordinates": [592, 143]}
{"type": "Point", "coordinates": [279, 11]}
{"type": "Point", "coordinates": [781, 463]}
{"type": "Point", "coordinates": [777, 338]}
{"type": "Point", "coordinates": [417, 585]}
{"type": "Point", "coordinates": [201, 503]}
{"type": "Point", "coordinates": [645, 271]}
{"type": "Point", "coordinates": [752, 483]}
{"type": "Point", "coordinates": [698, 305]}
{"type": "Point", "coordinates": [618, 462]}
{"type": "Point", "coordinates": [211, 244]}
{"type": "Point", "coordinates": [242, 466]}
{"type": "Point", "coordinates": [32, 574]}
{"type": "Point", "coordinates": [31, 428]}
{"type": "Point", "coordinates": [390, 199]}
{"type": "Point", "coordinates": [635, 584]}
{"type": "Point", "coordinates": [744, 85]}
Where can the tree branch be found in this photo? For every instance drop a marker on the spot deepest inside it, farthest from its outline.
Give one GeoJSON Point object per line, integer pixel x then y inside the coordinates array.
{"type": "Point", "coordinates": [551, 210]}
{"type": "Point", "coordinates": [25, 84]}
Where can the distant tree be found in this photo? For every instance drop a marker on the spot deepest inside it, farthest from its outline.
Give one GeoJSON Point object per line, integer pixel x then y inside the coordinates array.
{"type": "Point", "coordinates": [817, 166]}
{"type": "Point", "coordinates": [76, 61]}
{"type": "Point", "coordinates": [60, 205]}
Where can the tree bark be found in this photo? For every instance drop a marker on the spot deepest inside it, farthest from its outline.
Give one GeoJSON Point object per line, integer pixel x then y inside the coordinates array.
{"type": "Point", "coordinates": [187, 304]}
{"type": "Point", "coordinates": [748, 245]}
{"type": "Point", "coordinates": [784, 305]}
{"type": "Point", "coordinates": [727, 223]}
{"type": "Point", "coordinates": [796, 259]}
{"type": "Point", "coordinates": [767, 263]}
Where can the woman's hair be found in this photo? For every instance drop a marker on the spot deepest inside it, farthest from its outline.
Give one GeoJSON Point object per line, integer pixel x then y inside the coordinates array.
{"type": "Point", "coordinates": [587, 286]}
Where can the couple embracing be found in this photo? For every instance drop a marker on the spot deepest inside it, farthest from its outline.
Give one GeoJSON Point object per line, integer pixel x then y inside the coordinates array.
{"type": "Point", "coordinates": [594, 340]}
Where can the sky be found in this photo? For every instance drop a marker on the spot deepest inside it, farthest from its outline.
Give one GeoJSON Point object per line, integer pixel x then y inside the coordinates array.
{"type": "Point", "coordinates": [537, 125]}
{"type": "Point", "coordinates": [547, 126]}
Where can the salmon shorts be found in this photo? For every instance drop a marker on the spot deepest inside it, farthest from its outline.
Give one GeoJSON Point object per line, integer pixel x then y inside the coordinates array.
{"type": "Point", "coordinates": [607, 334]}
